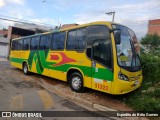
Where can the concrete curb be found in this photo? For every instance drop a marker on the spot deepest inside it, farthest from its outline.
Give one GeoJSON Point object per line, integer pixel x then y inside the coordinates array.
{"type": "Point", "coordinates": [102, 108]}
{"type": "Point", "coordinates": [77, 99]}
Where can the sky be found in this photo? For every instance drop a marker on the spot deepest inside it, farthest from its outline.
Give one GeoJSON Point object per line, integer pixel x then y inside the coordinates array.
{"type": "Point", "coordinates": [131, 13]}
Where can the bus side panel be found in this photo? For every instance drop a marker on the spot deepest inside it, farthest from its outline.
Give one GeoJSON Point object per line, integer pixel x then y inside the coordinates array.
{"type": "Point", "coordinates": [18, 57]}
{"type": "Point", "coordinates": [33, 66]}
{"type": "Point", "coordinates": [62, 61]}
{"type": "Point", "coordinates": [58, 75]}
{"type": "Point", "coordinates": [34, 62]}
{"type": "Point", "coordinates": [17, 65]}
{"type": "Point", "coordinates": [46, 72]}
{"type": "Point", "coordinates": [43, 61]}
{"type": "Point", "coordinates": [102, 85]}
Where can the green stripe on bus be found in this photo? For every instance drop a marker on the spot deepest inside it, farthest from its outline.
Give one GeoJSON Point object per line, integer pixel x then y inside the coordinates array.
{"type": "Point", "coordinates": [39, 57]}
{"type": "Point", "coordinates": [105, 74]}
{"type": "Point", "coordinates": [17, 60]}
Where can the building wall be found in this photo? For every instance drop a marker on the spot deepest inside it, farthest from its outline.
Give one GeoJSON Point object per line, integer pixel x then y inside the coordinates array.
{"type": "Point", "coordinates": [3, 33]}
{"type": "Point", "coordinates": [154, 27]}
{"type": "Point", "coordinates": [4, 50]}
{"type": "Point", "coordinates": [4, 47]}
{"type": "Point", "coordinates": [68, 25]}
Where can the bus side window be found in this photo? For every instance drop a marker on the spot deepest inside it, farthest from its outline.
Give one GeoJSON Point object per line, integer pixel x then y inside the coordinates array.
{"type": "Point", "coordinates": [34, 43]}
{"type": "Point", "coordinates": [44, 42]}
{"type": "Point", "coordinates": [26, 44]}
{"type": "Point", "coordinates": [70, 45]}
{"type": "Point", "coordinates": [81, 39]}
{"type": "Point", "coordinates": [60, 42]}
{"type": "Point", "coordinates": [57, 41]}
{"type": "Point", "coordinates": [14, 45]}
{"type": "Point", "coordinates": [19, 44]}
{"type": "Point", "coordinates": [76, 39]}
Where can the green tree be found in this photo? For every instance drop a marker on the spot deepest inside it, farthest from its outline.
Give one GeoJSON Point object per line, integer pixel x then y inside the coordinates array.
{"type": "Point", "coordinates": [151, 43]}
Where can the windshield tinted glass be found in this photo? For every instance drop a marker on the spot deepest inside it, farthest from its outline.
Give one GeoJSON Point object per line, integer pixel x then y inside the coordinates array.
{"type": "Point", "coordinates": [126, 51]}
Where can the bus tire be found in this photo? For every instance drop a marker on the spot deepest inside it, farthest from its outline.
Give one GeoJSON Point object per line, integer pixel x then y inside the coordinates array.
{"type": "Point", "coordinates": [76, 82]}
{"type": "Point", "coordinates": [25, 69]}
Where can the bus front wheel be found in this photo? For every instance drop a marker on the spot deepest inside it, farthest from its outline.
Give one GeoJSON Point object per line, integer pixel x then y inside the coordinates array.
{"type": "Point", "coordinates": [76, 82]}
{"type": "Point", "coordinates": [25, 69]}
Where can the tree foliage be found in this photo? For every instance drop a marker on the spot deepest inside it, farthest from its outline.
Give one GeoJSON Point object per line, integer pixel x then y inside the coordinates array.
{"type": "Point", "coordinates": [151, 43]}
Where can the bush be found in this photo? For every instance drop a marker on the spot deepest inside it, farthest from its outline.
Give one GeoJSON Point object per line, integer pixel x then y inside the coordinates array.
{"type": "Point", "coordinates": [152, 43]}
{"type": "Point", "coordinates": [151, 68]}
{"type": "Point", "coordinates": [147, 103]}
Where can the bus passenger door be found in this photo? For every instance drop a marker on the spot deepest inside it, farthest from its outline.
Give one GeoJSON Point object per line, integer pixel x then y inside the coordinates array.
{"type": "Point", "coordinates": [102, 74]}
{"type": "Point", "coordinates": [99, 52]}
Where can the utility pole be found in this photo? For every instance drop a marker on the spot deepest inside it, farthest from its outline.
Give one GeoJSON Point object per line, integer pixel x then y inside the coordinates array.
{"type": "Point", "coordinates": [111, 13]}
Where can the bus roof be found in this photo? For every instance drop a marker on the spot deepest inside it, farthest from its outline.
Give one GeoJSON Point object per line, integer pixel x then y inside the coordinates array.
{"type": "Point", "coordinates": [70, 28]}
{"type": "Point", "coordinates": [87, 24]}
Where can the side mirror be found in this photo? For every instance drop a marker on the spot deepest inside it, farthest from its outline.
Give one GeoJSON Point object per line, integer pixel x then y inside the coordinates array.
{"type": "Point", "coordinates": [117, 37]}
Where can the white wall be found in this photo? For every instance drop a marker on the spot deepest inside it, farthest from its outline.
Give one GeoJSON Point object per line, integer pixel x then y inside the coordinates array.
{"type": "Point", "coordinates": [3, 50]}
{"type": "Point", "coordinates": [4, 47]}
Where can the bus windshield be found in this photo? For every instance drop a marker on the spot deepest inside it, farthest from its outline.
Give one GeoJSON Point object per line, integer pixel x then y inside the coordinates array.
{"type": "Point", "coordinates": [127, 53]}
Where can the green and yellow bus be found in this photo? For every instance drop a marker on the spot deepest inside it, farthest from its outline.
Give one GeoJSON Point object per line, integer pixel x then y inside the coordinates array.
{"type": "Point", "coordinates": [100, 55]}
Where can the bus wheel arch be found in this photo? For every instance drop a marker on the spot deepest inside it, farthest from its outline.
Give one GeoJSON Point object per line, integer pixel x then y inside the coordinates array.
{"type": "Point", "coordinates": [75, 80]}
{"type": "Point", "coordinates": [25, 68]}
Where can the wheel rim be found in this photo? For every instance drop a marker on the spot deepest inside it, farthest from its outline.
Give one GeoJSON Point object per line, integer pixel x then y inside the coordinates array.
{"type": "Point", "coordinates": [25, 69]}
{"type": "Point", "coordinates": [76, 82]}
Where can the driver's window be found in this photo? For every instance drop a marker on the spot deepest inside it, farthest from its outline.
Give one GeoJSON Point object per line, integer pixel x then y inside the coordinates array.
{"type": "Point", "coordinates": [99, 44]}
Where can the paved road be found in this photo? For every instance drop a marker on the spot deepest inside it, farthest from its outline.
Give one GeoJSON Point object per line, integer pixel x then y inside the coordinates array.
{"type": "Point", "coordinates": [22, 93]}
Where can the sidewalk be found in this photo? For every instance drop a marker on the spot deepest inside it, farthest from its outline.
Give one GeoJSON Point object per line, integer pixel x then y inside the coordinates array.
{"type": "Point", "coordinates": [98, 100]}
{"type": "Point", "coordinates": [95, 99]}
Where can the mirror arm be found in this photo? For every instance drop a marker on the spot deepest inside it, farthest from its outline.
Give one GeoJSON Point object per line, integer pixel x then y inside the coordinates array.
{"type": "Point", "coordinates": [112, 30]}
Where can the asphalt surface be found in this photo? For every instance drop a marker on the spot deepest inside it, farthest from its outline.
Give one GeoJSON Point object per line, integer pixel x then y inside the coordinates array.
{"type": "Point", "coordinates": [23, 93]}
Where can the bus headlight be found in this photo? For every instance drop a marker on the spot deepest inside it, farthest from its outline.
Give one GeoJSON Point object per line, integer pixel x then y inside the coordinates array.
{"type": "Point", "coordinates": [122, 76]}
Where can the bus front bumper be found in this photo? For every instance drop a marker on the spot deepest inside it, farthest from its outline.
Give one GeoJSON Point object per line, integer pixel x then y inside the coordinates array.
{"type": "Point", "coordinates": [122, 87]}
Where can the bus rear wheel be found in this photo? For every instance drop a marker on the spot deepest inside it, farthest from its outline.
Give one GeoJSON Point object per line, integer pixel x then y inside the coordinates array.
{"type": "Point", "coordinates": [76, 82]}
{"type": "Point", "coordinates": [25, 69]}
